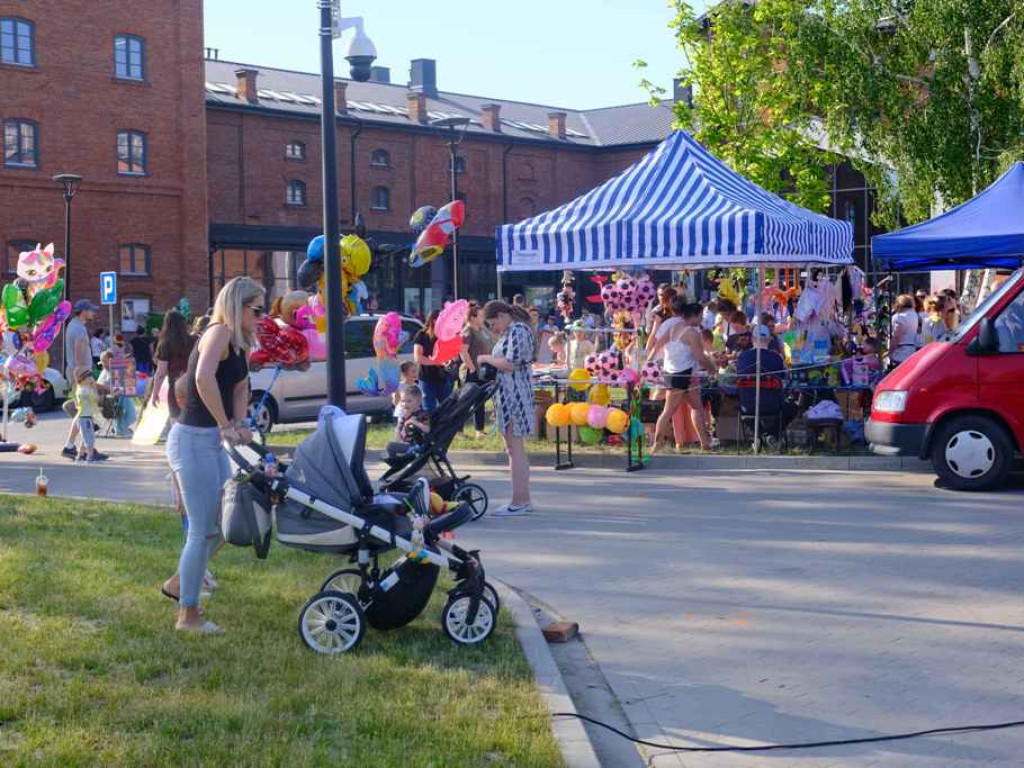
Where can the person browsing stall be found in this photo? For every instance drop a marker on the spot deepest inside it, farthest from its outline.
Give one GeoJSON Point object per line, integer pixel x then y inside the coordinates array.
{"type": "Point", "coordinates": [434, 379]}
{"type": "Point", "coordinates": [216, 400]}
{"type": "Point", "coordinates": [514, 400]}
{"type": "Point", "coordinates": [679, 341]}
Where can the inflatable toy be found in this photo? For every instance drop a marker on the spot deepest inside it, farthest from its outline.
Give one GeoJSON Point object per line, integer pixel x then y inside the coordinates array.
{"type": "Point", "coordinates": [279, 345]}
{"type": "Point", "coordinates": [558, 415]}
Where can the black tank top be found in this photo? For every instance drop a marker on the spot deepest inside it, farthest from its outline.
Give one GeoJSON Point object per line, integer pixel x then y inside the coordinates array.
{"type": "Point", "coordinates": [231, 370]}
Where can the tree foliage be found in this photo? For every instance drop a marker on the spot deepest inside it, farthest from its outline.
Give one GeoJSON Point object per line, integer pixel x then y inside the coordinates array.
{"type": "Point", "coordinates": [926, 97]}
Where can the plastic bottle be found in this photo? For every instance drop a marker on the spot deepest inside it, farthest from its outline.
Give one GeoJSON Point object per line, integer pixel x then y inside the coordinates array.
{"type": "Point", "coordinates": [270, 465]}
{"type": "Point", "coordinates": [42, 484]}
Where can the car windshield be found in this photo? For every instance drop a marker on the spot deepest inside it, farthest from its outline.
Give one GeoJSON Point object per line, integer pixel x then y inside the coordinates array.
{"type": "Point", "coordinates": [983, 309]}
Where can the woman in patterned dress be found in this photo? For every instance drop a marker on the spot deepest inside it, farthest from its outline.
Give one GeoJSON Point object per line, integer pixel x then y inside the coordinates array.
{"type": "Point", "coordinates": [513, 400]}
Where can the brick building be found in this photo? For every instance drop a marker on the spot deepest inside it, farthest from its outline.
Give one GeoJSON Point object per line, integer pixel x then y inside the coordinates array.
{"type": "Point", "coordinates": [117, 97]}
{"type": "Point", "coordinates": [197, 170]}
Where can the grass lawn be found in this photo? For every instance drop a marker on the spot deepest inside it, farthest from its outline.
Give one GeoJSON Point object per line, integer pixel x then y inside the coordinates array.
{"type": "Point", "coordinates": [92, 672]}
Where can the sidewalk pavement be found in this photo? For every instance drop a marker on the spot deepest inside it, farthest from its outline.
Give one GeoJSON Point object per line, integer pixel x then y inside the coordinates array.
{"type": "Point", "coordinates": [748, 606]}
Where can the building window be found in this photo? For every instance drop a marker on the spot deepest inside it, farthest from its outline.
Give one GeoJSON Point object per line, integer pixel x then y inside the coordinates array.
{"type": "Point", "coordinates": [131, 153]}
{"type": "Point", "coordinates": [21, 144]}
{"type": "Point", "coordinates": [129, 57]}
{"type": "Point", "coordinates": [460, 164]}
{"type": "Point", "coordinates": [379, 158]}
{"type": "Point", "coordinates": [295, 150]}
{"type": "Point", "coordinates": [295, 194]}
{"type": "Point", "coordinates": [14, 249]}
{"type": "Point", "coordinates": [17, 42]}
{"type": "Point", "coordinates": [134, 259]}
{"type": "Point", "coordinates": [381, 200]}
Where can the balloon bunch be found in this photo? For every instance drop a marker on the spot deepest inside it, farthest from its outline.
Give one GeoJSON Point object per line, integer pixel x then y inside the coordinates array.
{"type": "Point", "coordinates": [388, 337]}
{"type": "Point", "coordinates": [628, 294]}
{"type": "Point", "coordinates": [587, 416]}
{"type": "Point", "coordinates": [302, 312]}
{"type": "Point", "coordinates": [279, 344]}
{"type": "Point", "coordinates": [435, 228]}
{"type": "Point", "coordinates": [566, 299]}
{"type": "Point", "coordinates": [32, 311]}
{"type": "Point", "coordinates": [356, 258]}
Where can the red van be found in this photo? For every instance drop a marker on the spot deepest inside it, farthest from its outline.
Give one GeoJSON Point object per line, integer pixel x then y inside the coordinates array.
{"type": "Point", "coordinates": [961, 402]}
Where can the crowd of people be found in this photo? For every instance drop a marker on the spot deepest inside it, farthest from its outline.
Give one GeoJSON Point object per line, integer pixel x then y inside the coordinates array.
{"type": "Point", "coordinates": [920, 319]}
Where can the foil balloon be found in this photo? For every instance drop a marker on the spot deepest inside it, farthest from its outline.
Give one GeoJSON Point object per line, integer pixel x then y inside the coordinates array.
{"type": "Point", "coordinates": [14, 306]}
{"type": "Point", "coordinates": [445, 351]}
{"type": "Point", "coordinates": [39, 269]}
{"type": "Point", "coordinates": [451, 320]}
{"type": "Point", "coordinates": [436, 236]}
{"type": "Point", "coordinates": [285, 346]}
{"type": "Point", "coordinates": [422, 217]}
{"type": "Point", "coordinates": [50, 327]}
{"type": "Point", "coordinates": [388, 336]}
{"type": "Point", "coordinates": [43, 303]}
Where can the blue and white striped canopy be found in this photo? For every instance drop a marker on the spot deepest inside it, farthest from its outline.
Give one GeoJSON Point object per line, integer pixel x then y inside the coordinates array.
{"type": "Point", "coordinates": [677, 208]}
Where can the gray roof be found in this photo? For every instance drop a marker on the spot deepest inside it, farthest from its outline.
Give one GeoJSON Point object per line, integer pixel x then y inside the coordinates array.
{"type": "Point", "coordinates": [298, 92]}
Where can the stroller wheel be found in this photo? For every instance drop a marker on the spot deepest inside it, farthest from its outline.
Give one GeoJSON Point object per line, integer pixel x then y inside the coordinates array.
{"type": "Point", "coordinates": [475, 496]}
{"type": "Point", "coordinates": [332, 622]}
{"type": "Point", "coordinates": [456, 626]}
{"type": "Point", "coordinates": [347, 580]}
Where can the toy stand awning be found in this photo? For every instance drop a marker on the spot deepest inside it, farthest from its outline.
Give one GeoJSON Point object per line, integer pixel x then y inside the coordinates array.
{"type": "Point", "coordinates": [679, 207]}
{"type": "Point", "coordinates": [986, 232]}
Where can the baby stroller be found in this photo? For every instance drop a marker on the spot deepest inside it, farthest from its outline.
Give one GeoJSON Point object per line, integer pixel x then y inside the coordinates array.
{"type": "Point", "coordinates": [324, 502]}
{"type": "Point", "coordinates": [446, 422]}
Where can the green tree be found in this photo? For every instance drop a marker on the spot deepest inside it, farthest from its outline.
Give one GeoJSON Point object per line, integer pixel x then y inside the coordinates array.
{"type": "Point", "coordinates": [926, 97]}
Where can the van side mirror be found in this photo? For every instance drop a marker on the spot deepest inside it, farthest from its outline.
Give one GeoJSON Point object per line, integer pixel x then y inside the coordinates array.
{"type": "Point", "coordinates": [987, 340]}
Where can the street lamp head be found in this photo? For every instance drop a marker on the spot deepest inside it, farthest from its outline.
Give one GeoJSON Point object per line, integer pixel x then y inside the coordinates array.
{"type": "Point", "coordinates": [453, 123]}
{"type": "Point", "coordinates": [70, 182]}
{"type": "Point", "coordinates": [360, 56]}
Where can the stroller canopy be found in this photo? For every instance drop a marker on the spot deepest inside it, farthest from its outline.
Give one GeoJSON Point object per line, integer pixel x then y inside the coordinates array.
{"type": "Point", "coordinates": [322, 463]}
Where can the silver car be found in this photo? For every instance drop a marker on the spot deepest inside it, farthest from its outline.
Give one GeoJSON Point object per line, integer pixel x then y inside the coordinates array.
{"type": "Point", "coordinates": [298, 395]}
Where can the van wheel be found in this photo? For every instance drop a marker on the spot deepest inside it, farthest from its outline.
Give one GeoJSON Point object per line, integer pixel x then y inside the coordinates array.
{"type": "Point", "coordinates": [972, 453]}
{"type": "Point", "coordinates": [263, 417]}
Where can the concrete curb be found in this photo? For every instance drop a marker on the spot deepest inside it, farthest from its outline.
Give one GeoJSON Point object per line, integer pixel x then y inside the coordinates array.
{"type": "Point", "coordinates": [712, 462]}
{"type": "Point", "coordinates": [573, 742]}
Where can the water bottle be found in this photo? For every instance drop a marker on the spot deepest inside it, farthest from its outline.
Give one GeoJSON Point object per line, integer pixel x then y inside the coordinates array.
{"type": "Point", "coordinates": [270, 466]}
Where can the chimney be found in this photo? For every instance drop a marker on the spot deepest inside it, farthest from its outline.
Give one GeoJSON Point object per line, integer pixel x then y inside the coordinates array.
{"type": "Point", "coordinates": [340, 97]}
{"type": "Point", "coordinates": [423, 77]}
{"type": "Point", "coordinates": [492, 117]}
{"type": "Point", "coordinates": [682, 92]}
{"type": "Point", "coordinates": [246, 84]}
{"type": "Point", "coordinates": [380, 75]}
{"type": "Point", "coordinates": [417, 104]}
{"type": "Point", "coordinates": [556, 125]}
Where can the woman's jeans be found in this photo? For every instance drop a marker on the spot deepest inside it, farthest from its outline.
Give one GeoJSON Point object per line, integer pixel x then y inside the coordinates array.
{"type": "Point", "coordinates": [434, 392]}
{"type": "Point", "coordinates": [202, 468]}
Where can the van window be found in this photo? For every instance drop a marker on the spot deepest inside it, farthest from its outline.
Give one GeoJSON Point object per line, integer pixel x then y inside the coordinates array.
{"type": "Point", "coordinates": [1010, 326]}
{"type": "Point", "coordinates": [982, 309]}
{"type": "Point", "coordinates": [358, 339]}
{"type": "Point", "coordinates": [411, 329]}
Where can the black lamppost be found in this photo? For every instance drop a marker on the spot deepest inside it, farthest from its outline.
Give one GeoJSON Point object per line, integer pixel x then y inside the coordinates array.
{"type": "Point", "coordinates": [360, 56]}
{"type": "Point", "coordinates": [454, 131]}
{"type": "Point", "coordinates": [70, 183]}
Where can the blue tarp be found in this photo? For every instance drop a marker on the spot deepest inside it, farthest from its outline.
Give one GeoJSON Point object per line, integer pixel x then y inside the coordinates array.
{"type": "Point", "coordinates": [986, 232]}
{"type": "Point", "coordinates": [677, 208]}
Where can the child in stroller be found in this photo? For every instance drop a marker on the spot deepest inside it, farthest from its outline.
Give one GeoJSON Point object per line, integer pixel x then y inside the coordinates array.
{"type": "Point", "coordinates": [431, 452]}
{"type": "Point", "coordinates": [324, 502]}
{"type": "Point", "coordinates": [413, 426]}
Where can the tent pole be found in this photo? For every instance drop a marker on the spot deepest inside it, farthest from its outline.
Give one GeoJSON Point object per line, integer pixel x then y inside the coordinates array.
{"type": "Point", "coordinates": [757, 379]}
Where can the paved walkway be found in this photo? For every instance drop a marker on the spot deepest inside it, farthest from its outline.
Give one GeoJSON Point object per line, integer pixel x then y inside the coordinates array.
{"type": "Point", "coordinates": [752, 606]}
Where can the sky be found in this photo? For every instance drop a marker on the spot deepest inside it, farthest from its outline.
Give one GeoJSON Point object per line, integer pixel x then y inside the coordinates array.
{"type": "Point", "coordinates": [567, 53]}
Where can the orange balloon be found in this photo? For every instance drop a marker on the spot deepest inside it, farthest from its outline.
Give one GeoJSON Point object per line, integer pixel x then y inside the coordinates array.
{"type": "Point", "coordinates": [578, 412]}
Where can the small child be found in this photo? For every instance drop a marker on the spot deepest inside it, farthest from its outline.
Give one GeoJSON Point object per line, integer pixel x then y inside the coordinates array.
{"type": "Point", "coordinates": [414, 424]}
{"type": "Point", "coordinates": [557, 345]}
{"type": "Point", "coordinates": [410, 377]}
{"type": "Point", "coordinates": [88, 403]}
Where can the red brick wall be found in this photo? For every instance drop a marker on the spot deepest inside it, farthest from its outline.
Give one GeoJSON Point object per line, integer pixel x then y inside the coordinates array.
{"type": "Point", "coordinates": [80, 107]}
{"type": "Point", "coordinates": [248, 173]}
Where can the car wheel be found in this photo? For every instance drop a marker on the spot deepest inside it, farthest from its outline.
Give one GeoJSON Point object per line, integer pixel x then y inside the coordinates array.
{"type": "Point", "coordinates": [262, 413]}
{"type": "Point", "coordinates": [972, 453]}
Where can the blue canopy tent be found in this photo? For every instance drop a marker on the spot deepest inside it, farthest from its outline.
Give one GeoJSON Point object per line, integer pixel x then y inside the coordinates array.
{"type": "Point", "coordinates": [679, 207]}
{"type": "Point", "coordinates": [986, 232]}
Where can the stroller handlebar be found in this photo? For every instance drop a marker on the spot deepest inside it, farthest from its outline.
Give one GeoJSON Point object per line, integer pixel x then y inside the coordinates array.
{"type": "Point", "coordinates": [239, 458]}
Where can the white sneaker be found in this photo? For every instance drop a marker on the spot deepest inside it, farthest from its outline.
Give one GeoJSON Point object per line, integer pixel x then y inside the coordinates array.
{"type": "Point", "coordinates": [513, 510]}
{"type": "Point", "coordinates": [208, 581]}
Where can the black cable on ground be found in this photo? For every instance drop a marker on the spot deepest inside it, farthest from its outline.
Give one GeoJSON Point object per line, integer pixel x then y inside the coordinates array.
{"type": "Point", "coordinates": [801, 745]}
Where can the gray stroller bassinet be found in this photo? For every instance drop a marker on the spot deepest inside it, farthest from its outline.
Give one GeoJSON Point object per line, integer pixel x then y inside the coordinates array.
{"type": "Point", "coordinates": [324, 502]}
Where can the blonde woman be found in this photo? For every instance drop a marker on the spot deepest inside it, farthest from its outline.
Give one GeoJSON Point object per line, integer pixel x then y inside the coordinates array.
{"type": "Point", "coordinates": [216, 398]}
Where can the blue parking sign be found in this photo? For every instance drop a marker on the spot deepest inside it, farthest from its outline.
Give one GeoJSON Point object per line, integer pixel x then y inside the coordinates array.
{"type": "Point", "coordinates": [108, 288]}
